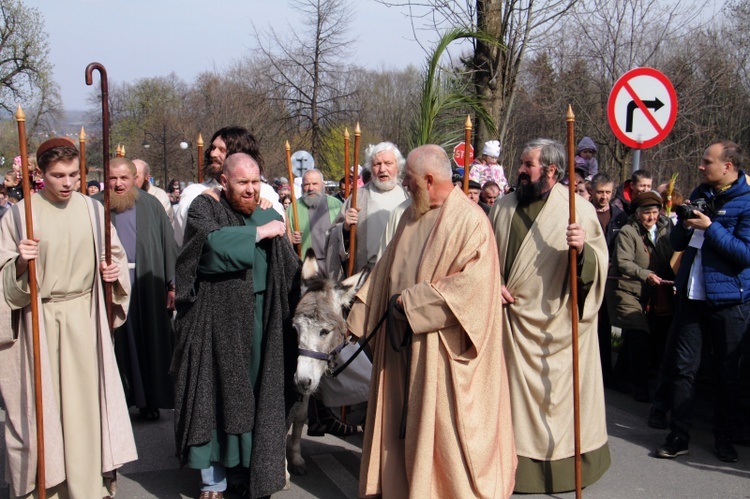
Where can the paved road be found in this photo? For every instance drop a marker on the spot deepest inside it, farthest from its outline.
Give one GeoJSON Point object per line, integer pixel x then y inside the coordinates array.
{"type": "Point", "coordinates": [333, 464]}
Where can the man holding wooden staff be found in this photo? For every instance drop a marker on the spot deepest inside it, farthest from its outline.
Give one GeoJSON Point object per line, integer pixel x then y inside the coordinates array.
{"type": "Point", "coordinates": [87, 432]}
{"type": "Point", "coordinates": [533, 245]}
{"type": "Point", "coordinates": [375, 202]}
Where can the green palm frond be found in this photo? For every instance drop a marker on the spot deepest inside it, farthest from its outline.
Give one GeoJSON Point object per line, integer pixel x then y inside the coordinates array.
{"type": "Point", "coordinates": [447, 96]}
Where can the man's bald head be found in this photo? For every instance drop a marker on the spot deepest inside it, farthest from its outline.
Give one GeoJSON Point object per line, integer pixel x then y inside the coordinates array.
{"type": "Point", "coordinates": [142, 174]}
{"type": "Point", "coordinates": [431, 159]}
{"type": "Point", "coordinates": [240, 179]}
{"type": "Point", "coordinates": [239, 159]}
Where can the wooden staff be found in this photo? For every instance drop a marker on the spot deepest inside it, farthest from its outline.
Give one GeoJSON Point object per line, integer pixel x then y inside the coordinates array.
{"type": "Point", "coordinates": [199, 142]}
{"type": "Point", "coordinates": [573, 264]}
{"type": "Point", "coordinates": [31, 269]}
{"type": "Point", "coordinates": [105, 160]}
{"type": "Point", "coordinates": [82, 154]}
{"type": "Point", "coordinates": [467, 148]}
{"type": "Point", "coordinates": [120, 151]}
{"type": "Point", "coordinates": [346, 163]}
{"type": "Point", "coordinates": [355, 179]}
{"type": "Point", "coordinates": [294, 197]}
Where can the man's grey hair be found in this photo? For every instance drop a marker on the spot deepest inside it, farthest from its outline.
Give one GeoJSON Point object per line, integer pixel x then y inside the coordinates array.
{"type": "Point", "coordinates": [550, 153]}
{"type": "Point", "coordinates": [373, 150]}
{"type": "Point", "coordinates": [314, 170]}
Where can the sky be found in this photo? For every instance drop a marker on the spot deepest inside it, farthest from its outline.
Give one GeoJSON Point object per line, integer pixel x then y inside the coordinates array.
{"type": "Point", "coordinates": [147, 38]}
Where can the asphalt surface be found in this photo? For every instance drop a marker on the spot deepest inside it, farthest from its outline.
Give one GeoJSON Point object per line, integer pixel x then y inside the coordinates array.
{"type": "Point", "coordinates": [333, 463]}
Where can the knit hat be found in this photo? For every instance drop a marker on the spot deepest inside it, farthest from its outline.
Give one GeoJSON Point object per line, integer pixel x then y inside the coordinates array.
{"type": "Point", "coordinates": [491, 148]}
{"type": "Point", "coordinates": [646, 199]}
{"type": "Point", "coordinates": [93, 183]}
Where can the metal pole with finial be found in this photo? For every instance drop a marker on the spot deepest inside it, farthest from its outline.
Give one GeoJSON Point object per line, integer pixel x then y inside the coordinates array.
{"type": "Point", "coordinates": [199, 142]}
{"type": "Point", "coordinates": [467, 148]}
{"type": "Point", "coordinates": [105, 166]}
{"type": "Point", "coordinates": [346, 163]}
{"type": "Point", "coordinates": [293, 196]}
{"type": "Point", "coordinates": [355, 180]}
{"type": "Point", "coordinates": [33, 291]}
{"type": "Point", "coordinates": [82, 154]}
{"type": "Point", "coordinates": [573, 268]}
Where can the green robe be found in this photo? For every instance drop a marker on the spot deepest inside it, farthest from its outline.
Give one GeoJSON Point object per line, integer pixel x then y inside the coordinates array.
{"type": "Point", "coordinates": [334, 207]}
{"type": "Point", "coordinates": [228, 250]}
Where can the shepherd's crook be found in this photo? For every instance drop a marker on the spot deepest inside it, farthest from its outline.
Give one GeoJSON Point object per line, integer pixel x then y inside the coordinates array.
{"type": "Point", "coordinates": [105, 159]}
{"type": "Point", "coordinates": [467, 146]}
{"type": "Point", "coordinates": [31, 269]}
{"type": "Point", "coordinates": [294, 197]}
{"type": "Point", "coordinates": [355, 179]}
{"type": "Point", "coordinates": [573, 264]}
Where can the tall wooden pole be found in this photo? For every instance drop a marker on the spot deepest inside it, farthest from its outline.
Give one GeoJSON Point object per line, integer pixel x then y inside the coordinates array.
{"type": "Point", "coordinates": [467, 148]}
{"type": "Point", "coordinates": [82, 154]}
{"type": "Point", "coordinates": [294, 196]}
{"type": "Point", "coordinates": [346, 163]}
{"type": "Point", "coordinates": [105, 166]}
{"type": "Point", "coordinates": [199, 142]}
{"type": "Point", "coordinates": [573, 264]}
{"type": "Point", "coordinates": [31, 269]}
{"type": "Point", "coordinates": [355, 180]}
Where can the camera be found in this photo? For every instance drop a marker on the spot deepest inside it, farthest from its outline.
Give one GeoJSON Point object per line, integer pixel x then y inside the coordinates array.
{"type": "Point", "coordinates": [685, 211]}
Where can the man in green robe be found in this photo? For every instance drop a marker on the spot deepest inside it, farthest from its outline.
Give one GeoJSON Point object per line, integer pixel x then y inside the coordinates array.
{"type": "Point", "coordinates": [236, 351]}
{"type": "Point", "coordinates": [534, 239]}
{"type": "Point", "coordinates": [316, 212]}
{"type": "Point", "coordinates": [144, 344]}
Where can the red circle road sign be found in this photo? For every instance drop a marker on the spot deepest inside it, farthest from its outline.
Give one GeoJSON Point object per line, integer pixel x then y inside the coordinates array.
{"type": "Point", "coordinates": [458, 154]}
{"type": "Point", "coordinates": [642, 108]}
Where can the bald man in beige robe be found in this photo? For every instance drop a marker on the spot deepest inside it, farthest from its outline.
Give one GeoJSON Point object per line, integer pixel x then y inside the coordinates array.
{"type": "Point", "coordinates": [439, 422]}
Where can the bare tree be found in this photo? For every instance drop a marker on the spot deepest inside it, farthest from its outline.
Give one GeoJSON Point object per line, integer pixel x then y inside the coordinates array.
{"type": "Point", "coordinates": [511, 26]}
{"type": "Point", "coordinates": [307, 65]}
{"type": "Point", "coordinates": [25, 70]}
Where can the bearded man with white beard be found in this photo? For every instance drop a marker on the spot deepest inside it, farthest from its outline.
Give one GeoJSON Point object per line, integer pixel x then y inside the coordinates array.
{"type": "Point", "coordinates": [316, 211]}
{"type": "Point", "coordinates": [375, 201]}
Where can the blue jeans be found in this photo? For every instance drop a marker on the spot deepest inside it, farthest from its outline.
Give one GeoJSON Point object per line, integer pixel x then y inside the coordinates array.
{"type": "Point", "coordinates": [214, 478]}
{"type": "Point", "coordinates": [723, 327]}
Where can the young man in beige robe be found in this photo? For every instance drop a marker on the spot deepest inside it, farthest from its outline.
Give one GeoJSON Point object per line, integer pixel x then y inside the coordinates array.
{"type": "Point", "coordinates": [533, 243]}
{"type": "Point", "coordinates": [87, 432]}
{"type": "Point", "coordinates": [447, 431]}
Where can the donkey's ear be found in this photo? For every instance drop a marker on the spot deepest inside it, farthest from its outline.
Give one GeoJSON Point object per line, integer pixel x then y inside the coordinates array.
{"type": "Point", "coordinates": [310, 265]}
{"type": "Point", "coordinates": [347, 288]}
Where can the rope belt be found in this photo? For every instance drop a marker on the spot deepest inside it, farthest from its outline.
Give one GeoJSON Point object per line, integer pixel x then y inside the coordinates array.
{"type": "Point", "coordinates": [403, 346]}
{"type": "Point", "coordinates": [60, 298]}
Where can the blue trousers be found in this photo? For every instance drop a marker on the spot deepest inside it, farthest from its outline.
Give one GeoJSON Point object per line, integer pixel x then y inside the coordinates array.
{"type": "Point", "coordinates": [724, 328]}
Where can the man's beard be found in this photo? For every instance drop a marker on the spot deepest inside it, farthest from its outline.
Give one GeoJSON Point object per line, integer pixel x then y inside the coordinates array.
{"type": "Point", "coordinates": [239, 204]}
{"type": "Point", "coordinates": [420, 202]}
{"type": "Point", "coordinates": [529, 191]}
{"type": "Point", "coordinates": [385, 185]}
{"type": "Point", "coordinates": [312, 200]}
{"type": "Point", "coordinates": [123, 202]}
{"type": "Point", "coordinates": [212, 171]}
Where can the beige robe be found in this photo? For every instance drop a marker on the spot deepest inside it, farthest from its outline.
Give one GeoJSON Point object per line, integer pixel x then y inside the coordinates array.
{"type": "Point", "coordinates": [459, 439]}
{"type": "Point", "coordinates": [538, 331]}
{"type": "Point", "coordinates": [16, 372]}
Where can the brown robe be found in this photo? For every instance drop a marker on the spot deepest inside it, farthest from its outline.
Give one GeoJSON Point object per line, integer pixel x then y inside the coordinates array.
{"type": "Point", "coordinates": [459, 439]}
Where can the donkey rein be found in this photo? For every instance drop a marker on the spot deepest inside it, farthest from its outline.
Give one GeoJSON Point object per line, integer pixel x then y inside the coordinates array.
{"type": "Point", "coordinates": [362, 346]}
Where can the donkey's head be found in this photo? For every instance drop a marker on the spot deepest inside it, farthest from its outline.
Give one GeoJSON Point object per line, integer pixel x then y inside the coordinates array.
{"type": "Point", "coordinates": [319, 321]}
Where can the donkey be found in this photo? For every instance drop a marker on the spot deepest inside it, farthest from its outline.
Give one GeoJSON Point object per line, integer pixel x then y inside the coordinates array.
{"type": "Point", "coordinates": [321, 329]}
